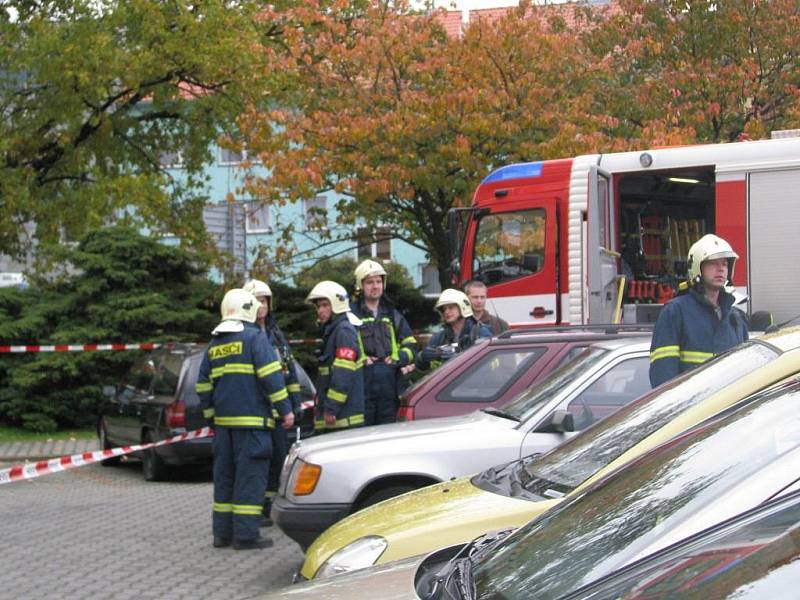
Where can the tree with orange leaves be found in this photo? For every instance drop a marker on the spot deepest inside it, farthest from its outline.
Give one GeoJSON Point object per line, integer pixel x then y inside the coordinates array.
{"type": "Point", "coordinates": [700, 71]}
{"type": "Point", "coordinates": [403, 121]}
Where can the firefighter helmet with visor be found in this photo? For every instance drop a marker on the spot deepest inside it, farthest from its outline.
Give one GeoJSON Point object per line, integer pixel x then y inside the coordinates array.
{"type": "Point", "coordinates": [457, 297]}
{"type": "Point", "coordinates": [258, 288]}
{"type": "Point", "coordinates": [333, 293]}
{"type": "Point", "coordinates": [709, 247]}
{"type": "Point", "coordinates": [237, 306]}
{"type": "Point", "coordinates": [368, 268]}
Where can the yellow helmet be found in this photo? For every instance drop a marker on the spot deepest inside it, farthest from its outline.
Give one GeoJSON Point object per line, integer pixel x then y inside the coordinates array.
{"type": "Point", "coordinates": [334, 293]}
{"type": "Point", "coordinates": [368, 268]}
{"type": "Point", "coordinates": [709, 247]}
{"type": "Point", "coordinates": [237, 305]}
{"type": "Point", "coordinates": [459, 298]}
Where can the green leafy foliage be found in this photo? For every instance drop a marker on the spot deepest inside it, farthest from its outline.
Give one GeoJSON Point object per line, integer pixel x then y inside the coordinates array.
{"type": "Point", "coordinates": [95, 94]}
{"type": "Point", "coordinates": [123, 288]}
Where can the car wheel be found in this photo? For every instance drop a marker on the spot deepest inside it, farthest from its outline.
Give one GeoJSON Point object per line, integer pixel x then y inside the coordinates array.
{"type": "Point", "coordinates": [384, 494]}
{"type": "Point", "coordinates": [106, 445]}
{"type": "Point", "coordinates": [153, 466]}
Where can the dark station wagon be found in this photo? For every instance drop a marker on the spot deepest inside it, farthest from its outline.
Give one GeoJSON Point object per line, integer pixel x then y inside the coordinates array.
{"type": "Point", "coordinates": [157, 400]}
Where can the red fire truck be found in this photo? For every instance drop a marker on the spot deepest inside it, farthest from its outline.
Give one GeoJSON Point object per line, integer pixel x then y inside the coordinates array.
{"type": "Point", "coordinates": [594, 238]}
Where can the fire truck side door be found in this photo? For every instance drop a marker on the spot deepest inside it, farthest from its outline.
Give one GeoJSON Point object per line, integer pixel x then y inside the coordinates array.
{"type": "Point", "coordinates": [601, 254]}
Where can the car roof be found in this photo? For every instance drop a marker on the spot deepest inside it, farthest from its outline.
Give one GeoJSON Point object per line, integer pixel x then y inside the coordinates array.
{"type": "Point", "coordinates": [783, 339]}
{"type": "Point", "coordinates": [633, 343]}
{"type": "Point", "coordinates": [570, 333]}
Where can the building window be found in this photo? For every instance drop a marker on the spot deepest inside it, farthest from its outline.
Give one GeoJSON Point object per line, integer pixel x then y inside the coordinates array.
{"type": "Point", "coordinates": [374, 243]}
{"type": "Point", "coordinates": [315, 213]}
{"type": "Point", "coordinates": [228, 156]}
{"type": "Point", "coordinates": [430, 280]}
{"type": "Point", "coordinates": [171, 160]}
{"type": "Point", "coordinates": [257, 214]}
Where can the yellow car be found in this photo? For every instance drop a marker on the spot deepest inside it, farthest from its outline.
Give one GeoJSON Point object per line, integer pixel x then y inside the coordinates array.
{"type": "Point", "coordinates": [506, 497]}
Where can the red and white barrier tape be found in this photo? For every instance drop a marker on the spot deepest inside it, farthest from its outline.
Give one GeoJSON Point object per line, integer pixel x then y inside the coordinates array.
{"type": "Point", "coordinates": [77, 347]}
{"type": "Point", "coordinates": [21, 349]}
{"type": "Point", "coordinates": [305, 341]}
{"type": "Point", "coordinates": [55, 465]}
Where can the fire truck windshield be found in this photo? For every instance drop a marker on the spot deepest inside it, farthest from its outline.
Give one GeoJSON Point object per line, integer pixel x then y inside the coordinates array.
{"type": "Point", "coordinates": [509, 245]}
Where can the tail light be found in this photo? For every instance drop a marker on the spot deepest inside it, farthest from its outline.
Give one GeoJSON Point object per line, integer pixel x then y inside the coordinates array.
{"type": "Point", "coordinates": [405, 413]}
{"type": "Point", "coordinates": [175, 415]}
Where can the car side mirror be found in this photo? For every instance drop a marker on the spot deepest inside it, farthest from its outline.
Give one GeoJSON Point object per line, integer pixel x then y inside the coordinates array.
{"type": "Point", "coordinates": [558, 421]}
{"type": "Point", "coordinates": [109, 391]}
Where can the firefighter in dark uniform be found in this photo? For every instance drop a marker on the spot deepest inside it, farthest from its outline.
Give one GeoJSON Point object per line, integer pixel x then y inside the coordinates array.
{"type": "Point", "coordinates": [267, 322]}
{"type": "Point", "coordinates": [700, 323]}
{"type": "Point", "coordinates": [340, 386]}
{"type": "Point", "coordinates": [459, 330]}
{"type": "Point", "coordinates": [239, 384]}
{"type": "Point", "coordinates": [387, 344]}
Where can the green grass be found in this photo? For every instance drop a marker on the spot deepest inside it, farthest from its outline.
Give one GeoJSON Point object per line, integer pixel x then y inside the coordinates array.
{"type": "Point", "coordinates": [16, 434]}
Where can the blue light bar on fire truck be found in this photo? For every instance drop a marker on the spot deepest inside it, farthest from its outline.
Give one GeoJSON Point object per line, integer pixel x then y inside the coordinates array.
{"type": "Point", "coordinates": [518, 171]}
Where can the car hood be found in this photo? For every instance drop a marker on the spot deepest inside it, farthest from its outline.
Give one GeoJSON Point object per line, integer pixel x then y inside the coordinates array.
{"type": "Point", "coordinates": [449, 513]}
{"type": "Point", "coordinates": [392, 581]}
{"type": "Point", "coordinates": [391, 433]}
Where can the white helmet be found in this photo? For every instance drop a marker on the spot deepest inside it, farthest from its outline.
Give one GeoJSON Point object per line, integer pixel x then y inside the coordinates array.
{"type": "Point", "coordinates": [459, 298]}
{"type": "Point", "coordinates": [709, 247]}
{"type": "Point", "coordinates": [238, 305]}
{"type": "Point", "coordinates": [368, 268]}
{"type": "Point", "coordinates": [259, 288]}
{"type": "Point", "coordinates": [334, 293]}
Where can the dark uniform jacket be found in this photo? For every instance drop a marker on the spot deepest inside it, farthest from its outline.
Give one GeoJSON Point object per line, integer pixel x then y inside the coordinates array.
{"type": "Point", "coordinates": [690, 331]}
{"type": "Point", "coordinates": [388, 334]}
{"type": "Point", "coordinates": [240, 380]}
{"type": "Point", "coordinates": [288, 365]}
{"type": "Point", "coordinates": [340, 387]}
{"type": "Point", "coordinates": [493, 322]}
{"type": "Point", "coordinates": [434, 355]}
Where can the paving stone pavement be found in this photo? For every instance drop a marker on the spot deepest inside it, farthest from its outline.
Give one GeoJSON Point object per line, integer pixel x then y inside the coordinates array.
{"type": "Point", "coordinates": [21, 451]}
{"type": "Point", "coordinates": [100, 531]}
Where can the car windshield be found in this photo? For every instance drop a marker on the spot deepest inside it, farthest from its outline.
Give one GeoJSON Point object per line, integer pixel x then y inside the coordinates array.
{"type": "Point", "coordinates": [527, 403]}
{"type": "Point", "coordinates": [752, 557]}
{"type": "Point", "coordinates": [594, 533]}
{"type": "Point", "coordinates": [574, 461]}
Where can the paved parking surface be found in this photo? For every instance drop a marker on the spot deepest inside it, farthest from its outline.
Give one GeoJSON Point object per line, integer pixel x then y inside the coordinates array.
{"type": "Point", "coordinates": [104, 532]}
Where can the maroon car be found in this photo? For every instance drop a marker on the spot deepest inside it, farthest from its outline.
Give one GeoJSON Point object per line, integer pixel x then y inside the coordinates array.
{"type": "Point", "coordinates": [494, 371]}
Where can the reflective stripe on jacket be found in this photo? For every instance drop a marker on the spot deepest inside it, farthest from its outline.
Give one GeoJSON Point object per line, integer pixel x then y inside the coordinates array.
{"type": "Point", "coordinates": [340, 386]}
{"type": "Point", "coordinates": [387, 334]}
{"type": "Point", "coordinates": [240, 380]}
{"type": "Point", "coordinates": [689, 332]}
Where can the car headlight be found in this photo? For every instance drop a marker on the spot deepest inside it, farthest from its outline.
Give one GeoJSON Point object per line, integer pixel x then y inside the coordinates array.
{"type": "Point", "coordinates": [356, 555]}
{"type": "Point", "coordinates": [305, 476]}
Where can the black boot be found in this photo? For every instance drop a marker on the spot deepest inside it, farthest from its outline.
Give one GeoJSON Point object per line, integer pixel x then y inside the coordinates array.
{"type": "Point", "coordinates": [255, 544]}
{"type": "Point", "coordinates": [221, 542]}
{"type": "Point", "coordinates": [265, 521]}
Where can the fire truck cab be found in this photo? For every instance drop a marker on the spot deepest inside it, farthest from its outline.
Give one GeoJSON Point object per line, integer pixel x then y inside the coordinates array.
{"type": "Point", "coordinates": [603, 238]}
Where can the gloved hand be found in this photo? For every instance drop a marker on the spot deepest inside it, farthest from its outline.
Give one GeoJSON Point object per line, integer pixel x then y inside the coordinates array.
{"type": "Point", "coordinates": [429, 354]}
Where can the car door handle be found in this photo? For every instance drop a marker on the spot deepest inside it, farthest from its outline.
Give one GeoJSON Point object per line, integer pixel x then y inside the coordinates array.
{"type": "Point", "coordinates": [539, 312]}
